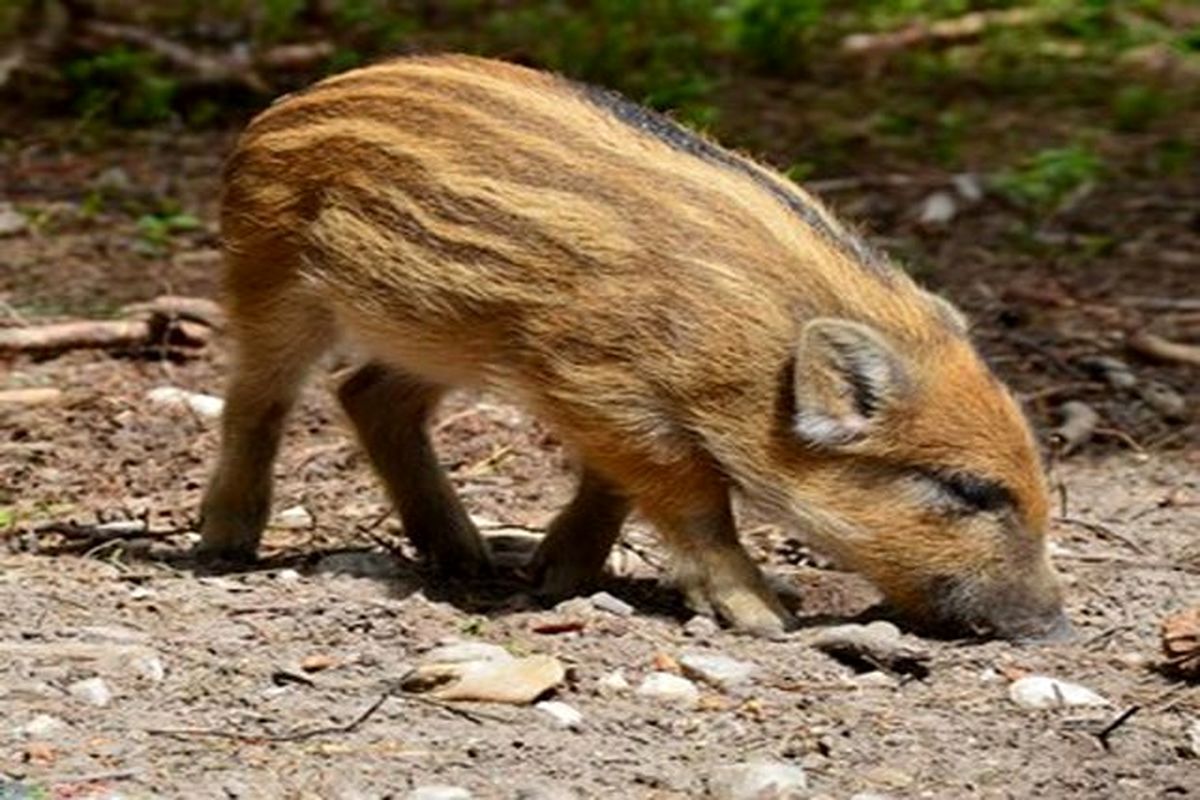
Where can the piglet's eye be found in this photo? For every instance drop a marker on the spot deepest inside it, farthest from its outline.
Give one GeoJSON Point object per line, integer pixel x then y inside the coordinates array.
{"type": "Point", "coordinates": [974, 492]}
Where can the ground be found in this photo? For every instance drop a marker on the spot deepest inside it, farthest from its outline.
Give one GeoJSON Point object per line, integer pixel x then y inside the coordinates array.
{"type": "Point", "coordinates": [232, 713]}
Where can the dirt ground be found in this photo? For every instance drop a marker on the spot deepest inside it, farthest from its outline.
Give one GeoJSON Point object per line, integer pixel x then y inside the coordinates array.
{"type": "Point", "coordinates": [232, 712]}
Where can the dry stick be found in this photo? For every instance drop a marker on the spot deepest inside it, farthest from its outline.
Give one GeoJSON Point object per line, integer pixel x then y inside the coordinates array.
{"type": "Point", "coordinates": [1117, 722]}
{"type": "Point", "coordinates": [195, 309]}
{"type": "Point", "coordinates": [294, 736]}
{"type": "Point", "coordinates": [1103, 531]}
{"type": "Point", "coordinates": [29, 397]}
{"type": "Point", "coordinates": [98, 334]}
{"type": "Point", "coordinates": [946, 32]}
{"type": "Point", "coordinates": [1160, 349]}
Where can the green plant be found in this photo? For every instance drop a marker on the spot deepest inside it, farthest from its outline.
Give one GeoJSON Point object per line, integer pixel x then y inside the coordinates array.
{"type": "Point", "coordinates": [122, 85]}
{"type": "Point", "coordinates": [774, 35]}
{"type": "Point", "coordinates": [1047, 177]}
{"type": "Point", "coordinates": [1135, 107]}
{"type": "Point", "coordinates": [155, 230]}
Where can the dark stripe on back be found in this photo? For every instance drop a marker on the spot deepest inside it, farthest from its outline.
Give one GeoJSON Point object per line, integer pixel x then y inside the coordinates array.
{"type": "Point", "coordinates": [680, 138]}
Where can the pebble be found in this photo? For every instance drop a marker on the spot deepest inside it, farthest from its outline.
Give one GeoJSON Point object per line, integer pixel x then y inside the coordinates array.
{"type": "Point", "coordinates": [613, 605]}
{"type": "Point", "coordinates": [875, 679]}
{"type": "Point", "coordinates": [11, 221]}
{"type": "Point", "coordinates": [1194, 738]}
{"type": "Point", "coordinates": [204, 405]}
{"type": "Point", "coordinates": [1040, 691]}
{"type": "Point", "coordinates": [716, 669]}
{"type": "Point", "coordinates": [668, 688]}
{"type": "Point", "coordinates": [516, 680]}
{"type": "Point", "coordinates": [968, 186]}
{"type": "Point", "coordinates": [613, 683]}
{"type": "Point", "coordinates": [294, 518]}
{"type": "Point", "coordinates": [44, 726]}
{"type": "Point", "coordinates": [147, 667]}
{"type": "Point", "coordinates": [93, 691]}
{"type": "Point", "coordinates": [869, 796]}
{"type": "Point", "coordinates": [938, 208]}
{"type": "Point", "coordinates": [701, 627]}
{"type": "Point", "coordinates": [439, 792]}
{"type": "Point", "coordinates": [566, 716]}
{"type": "Point", "coordinates": [758, 779]}
{"type": "Point", "coordinates": [359, 564]}
{"type": "Point", "coordinates": [458, 652]}
{"type": "Point", "coordinates": [288, 575]}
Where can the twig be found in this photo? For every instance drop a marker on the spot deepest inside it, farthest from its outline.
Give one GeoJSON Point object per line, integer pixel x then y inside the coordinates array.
{"type": "Point", "coordinates": [1126, 561]}
{"type": "Point", "coordinates": [292, 736]}
{"type": "Point", "coordinates": [1104, 531]}
{"type": "Point", "coordinates": [944, 32]}
{"type": "Point", "coordinates": [1160, 349]}
{"type": "Point", "coordinates": [195, 309]}
{"type": "Point", "coordinates": [29, 397]}
{"type": "Point", "coordinates": [1163, 303]}
{"type": "Point", "coordinates": [99, 334]}
{"type": "Point", "coordinates": [1117, 722]}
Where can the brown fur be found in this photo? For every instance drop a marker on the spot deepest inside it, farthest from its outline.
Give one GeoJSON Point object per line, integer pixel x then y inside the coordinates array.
{"type": "Point", "coordinates": [689, 323]}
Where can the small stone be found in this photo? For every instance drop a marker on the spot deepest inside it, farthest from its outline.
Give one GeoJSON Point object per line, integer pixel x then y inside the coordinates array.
{"type": "Point", "coordinates": [93, 691]}
{"type": "Point", "coordinates": [147, 667]}
{"type": "Point", "coordinates": [758, 780]}
{"type": "Point", "coordinates": [359, 564]}
{"type": "Point", "coordinates": [613, 605]}
{"type": "Point", "coordinates": [140, 593]}
{"type": "Point", "coordinates": [12, 221]}
{"type": "Point", "coordinates": [875, 679]}
{"type": "Point", "coordinates": [701, 627]}
{"type": "Point", "coordinates": [317, 662]}
{"type": "Point", "coordinates": [715, 669]}
{"type": "Point", "coordinates": [869, 796]}
{"type": "Point", "coordinates": [937, 209]}
{"type": "Point", "coordinates": [294, 518]}
{"type": "Point", "coordinates": [44, 726]}
{"type": "Point", "coordinates": [564, 715]}
{"type": "Point", "coordinates": [459, 652]}
{"type": "Point", "coordinates": [288, 575]}
{"type": "Point", "coordinates": [546, 793]}
{"type": "Point", "coordinates": [968, 186]}
{"type": "Point", "coordinates": [1194, 738]}
{"type": "Point", "coordinates": [516, 680]}
{"type": "Point", "coordinates": [1040, 691]}
{"type": "Point", "coordinates": [890, 776]}
{"type": "Point", "coordinates": [113, 179]}
{"type": "Point", "coordinates": [203, 405]}
{"type": "Point", "coordinates": [439, 792]}
{"type": "Point", "coordinates": [667, 688]}
{"type": "Point", "coordinates": [613, 683]}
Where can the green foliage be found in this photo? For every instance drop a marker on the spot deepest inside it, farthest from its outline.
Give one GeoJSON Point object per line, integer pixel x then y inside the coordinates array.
{"type": "Point", "coordinates": [1135, 107]}
{"type": "Point", "coordinates": [278, 18]}
{"type": "Point", "coordinates": [1049, 176]}
{"type": "Point", "coordinates": [123, 85]}
{"type": "Point", "coordinates": [774, 35]}
{"type": "Point", "coordinates": [155, 230]}
{"type": "Point", "coordinates": [8, 516]}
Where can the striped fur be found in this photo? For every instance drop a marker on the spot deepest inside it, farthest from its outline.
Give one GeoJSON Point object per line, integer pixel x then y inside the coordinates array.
{"type": "Point", "coordinates": [647, 294]}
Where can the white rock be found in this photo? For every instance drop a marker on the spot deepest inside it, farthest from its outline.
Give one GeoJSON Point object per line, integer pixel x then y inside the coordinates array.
{"type": "Point", "coordinates": [439, 792]}
{"type": "Point", "coordinates": [667, 688]}
{"type": "Point", "coordinates": [288, 575]}
{"type": "Point", "coordinates": [140, 593]}
{"type": "Point", "coordinates": [11, 221]}
{"type": "Point", "coordinates": [44, 726]}
{"type": "Point", "coordinates": [875, 679]}
{"type": "Point", "coordinates": [869, 796]}
{"type": "Point", "coordinates": [294, 518]}
{"type": "Point", "coordinates": [968, 186]}
{"type": "Point", "coordinates": [613, 605]}
{"type": "Point", "coordinates": [701, 626]}
{"type": "Point", "coordinates": [147, 667]}
{"type": "Point", "coordinates": [716, 669]}
{"type": "Point", "coordinates": [938, 209]}
{"type": "Point", "coordinates": [459, 652]}
{"type": "Point", "coordinates": [358, 564]}
{"type": "Point", "coordinates": [1194, 738]}
{"type": "Point", "coordinates": [756, 780]}
{"type": "Point", "coordinates": [204, 405]}
{"type": "Point", "coordinates": [614, 683]}
{"type": "Point", "coordinates": [1040, 691]}
{"type": "Point", "coordinates": [566, 716]}
{"type": "Point", "coordinates": [93, 691]}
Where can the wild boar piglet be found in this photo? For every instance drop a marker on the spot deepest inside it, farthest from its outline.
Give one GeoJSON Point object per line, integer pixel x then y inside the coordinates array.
{"type": "Point", "coordinates": [690, 324]}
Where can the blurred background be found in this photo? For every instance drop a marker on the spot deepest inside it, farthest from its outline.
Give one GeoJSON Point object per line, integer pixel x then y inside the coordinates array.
{"type": "Point", "coordinates": [1038, 161]}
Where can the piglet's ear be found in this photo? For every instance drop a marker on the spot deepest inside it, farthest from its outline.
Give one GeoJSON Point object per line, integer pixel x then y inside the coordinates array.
{"type": "Point", "coordinates": [847, 375]}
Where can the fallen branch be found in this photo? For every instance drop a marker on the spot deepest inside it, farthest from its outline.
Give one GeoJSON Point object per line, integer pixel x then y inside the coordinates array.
{"type": "Point", "coordinates": [193, 309]}
{"type": "Point", "coordinates": [29, 397]}
{"type": "Point", "coordinates": [1079, 421]}
{"type": "Point", "coordinates": [98, 334]}
{"type": "Point", "coordinates": [293, 736]}
{"type": "Point", "coordinates": [204, 69]}
{"type": "Point", "coordinates": [943, 32]}
{"type": "Point", "coordinates": [1160, 349]}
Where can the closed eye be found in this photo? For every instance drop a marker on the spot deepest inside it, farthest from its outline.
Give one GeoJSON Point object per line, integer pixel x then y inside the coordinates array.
{"type": "Point", "coordinates": [972, 493]}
